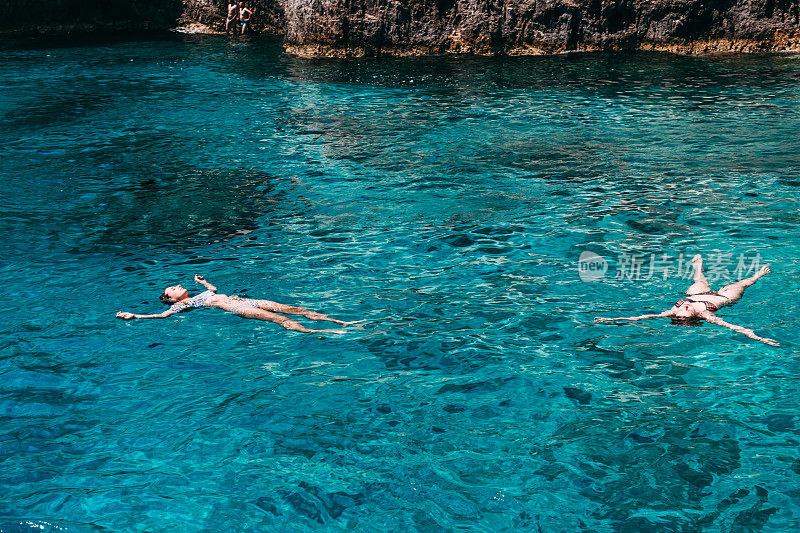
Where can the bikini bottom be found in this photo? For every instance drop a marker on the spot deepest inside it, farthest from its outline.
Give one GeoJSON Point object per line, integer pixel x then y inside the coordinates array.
{"type": "Point", "coordinates": [245, 303]}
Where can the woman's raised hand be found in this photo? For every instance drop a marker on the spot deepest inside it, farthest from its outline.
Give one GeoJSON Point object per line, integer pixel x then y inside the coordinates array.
{"type": "Point", "coordinates": [202, 280]}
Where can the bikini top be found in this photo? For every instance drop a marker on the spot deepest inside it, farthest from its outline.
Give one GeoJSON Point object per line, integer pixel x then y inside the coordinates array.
{"type": "Point", "coordinates": [193, 302]}
{"type": "Point", "coordinates": [709, 306]}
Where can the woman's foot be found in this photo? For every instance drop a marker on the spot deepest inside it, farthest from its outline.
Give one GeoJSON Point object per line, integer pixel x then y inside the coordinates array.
{"type": "Point", "coordinates": [345, 324]}
{"type": "Point", "coordinates": [697, 261]}
{"type": "Point", "coordinates": [764, 271]}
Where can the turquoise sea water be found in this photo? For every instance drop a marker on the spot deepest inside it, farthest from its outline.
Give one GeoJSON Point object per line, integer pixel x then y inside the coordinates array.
{"type": "Point", "coordinates": [446, 201]}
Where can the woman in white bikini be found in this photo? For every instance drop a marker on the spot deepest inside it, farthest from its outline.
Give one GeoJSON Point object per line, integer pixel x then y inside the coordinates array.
{"type": "Point", "coordinates": [246, 308]}
{"type": "Point", "coordinates": [704, 302]}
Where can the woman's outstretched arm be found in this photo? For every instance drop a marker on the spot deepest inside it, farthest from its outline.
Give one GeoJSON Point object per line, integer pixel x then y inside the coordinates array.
{"type": "Point", "coordinates": [640, 317]}
{"type": "Point", "coordinates": [127, 316]}
{"type": "Point", "coordinates": [201, 280]}
{"type": "Point", "coordinates": [713, 319]}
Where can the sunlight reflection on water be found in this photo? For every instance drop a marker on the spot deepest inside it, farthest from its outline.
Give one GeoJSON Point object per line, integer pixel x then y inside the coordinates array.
{"type": "Point", "coordinates": [445, 200]}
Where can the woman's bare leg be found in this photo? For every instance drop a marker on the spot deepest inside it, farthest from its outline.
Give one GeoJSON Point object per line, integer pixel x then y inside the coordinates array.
{"type": "Point", "coordinates": [288, 323]}
{"type": "Point", "coordinates": [302, 311]}
{"type": "Point", "coordinates": [734, 291]}
{"type": "Point", "coordinates": [700, 284]}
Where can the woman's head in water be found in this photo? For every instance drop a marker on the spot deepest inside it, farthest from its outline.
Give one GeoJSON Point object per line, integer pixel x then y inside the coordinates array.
{"type": "Point", "coordinates": [173, 294]}
{"type": "Point", "coordinates": [684, 311]}
{"type": "Point", "coordinates": [690, 321]}
{"type": "Point", "coordinates": [685, 315]}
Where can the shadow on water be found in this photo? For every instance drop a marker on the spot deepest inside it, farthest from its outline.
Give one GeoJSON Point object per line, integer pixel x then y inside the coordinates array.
{"type": "Point", "coordinates": [71, 102]}
{"type": "Point", "coordinates": [605, 74]}
{"type": "Point", "coordinates": [81, 40]}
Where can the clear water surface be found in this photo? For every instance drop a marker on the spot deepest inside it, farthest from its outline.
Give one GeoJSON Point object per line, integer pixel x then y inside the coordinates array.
{"type": "Point", "coordinates": [447, 202]}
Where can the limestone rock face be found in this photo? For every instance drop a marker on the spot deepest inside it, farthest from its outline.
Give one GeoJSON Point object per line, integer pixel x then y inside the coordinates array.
{"type": "Point", "coordinates": [407, 27]}
{"type": "Point", "coordinates": [340, 28]}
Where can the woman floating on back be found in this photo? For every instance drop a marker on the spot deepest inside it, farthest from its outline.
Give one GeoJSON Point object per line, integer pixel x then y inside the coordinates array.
{"type": "Point", "coordinates": [704, 303]}
{"type": "Point", "coordinates": [246, 308]}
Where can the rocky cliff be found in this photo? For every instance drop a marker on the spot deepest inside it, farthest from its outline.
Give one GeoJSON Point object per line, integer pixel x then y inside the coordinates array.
{"type": "Point", "coordinates": [517, 27]}
{"type": "Point", "coordinates": [341, 28]}
{"type": "Point", "coordinates": [268, 15]}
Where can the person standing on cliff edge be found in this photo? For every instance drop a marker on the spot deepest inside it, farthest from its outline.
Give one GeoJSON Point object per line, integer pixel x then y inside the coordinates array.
{"type": "Point", "coordinates": [244, 16]}
{"type": "Point", "coordinates": [233, 13]}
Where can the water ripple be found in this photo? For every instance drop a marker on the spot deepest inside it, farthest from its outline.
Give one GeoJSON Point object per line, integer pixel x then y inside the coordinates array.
{"type": "Point", "coordinates": [444, 200]}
